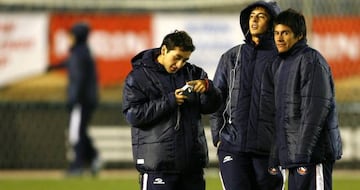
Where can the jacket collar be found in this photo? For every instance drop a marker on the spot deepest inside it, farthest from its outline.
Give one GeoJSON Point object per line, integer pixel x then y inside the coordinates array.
{"type": "Point", "coordinates": [266, 41]}
{"type": "Point", "coordinates": [299, 46]}
{"type": "Point", "coordinates": [148, 58]}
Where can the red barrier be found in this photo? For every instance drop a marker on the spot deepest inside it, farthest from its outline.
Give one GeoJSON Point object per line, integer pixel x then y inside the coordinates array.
{"type": "Point", "coordinates": [338, 39]}
{"type": "Point", "coordinates": [114, 40]}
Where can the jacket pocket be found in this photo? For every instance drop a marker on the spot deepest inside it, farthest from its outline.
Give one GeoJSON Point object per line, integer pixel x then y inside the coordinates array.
{"type": "Point", "coordinates": [200, 149]}
{"type": "Point", "coordinates": [153, 147]}
{"type": "Point", "coordinates": [154, 156]}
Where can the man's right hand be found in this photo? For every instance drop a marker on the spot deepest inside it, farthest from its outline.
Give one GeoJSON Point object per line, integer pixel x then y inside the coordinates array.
{"type": "Point", "coordinates": [179, 97]}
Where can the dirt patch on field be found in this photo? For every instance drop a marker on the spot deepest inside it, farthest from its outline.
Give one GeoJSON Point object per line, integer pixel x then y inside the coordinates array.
{"type": "Point", "coordinates": [60, 174]}
{"type": "Point", "coordinates": [348, 89]}
{"type": "Point", "coordinates": [51, 87]}
{"type": "Point", "coordinates": [126, 174]}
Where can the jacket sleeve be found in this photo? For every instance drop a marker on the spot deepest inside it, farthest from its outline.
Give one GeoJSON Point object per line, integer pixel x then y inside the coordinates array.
{"type": "Point", "coordinates": [140, 109]}
{"type": "Point", "coordinates": [220, 81]}
{"type": "Point", "coordinates": [316, 94]}
{"type": "Point", "coordinates": [268, 105]}
{"type": "Point", "coordinates": [76, 69]}
{"type": "Point", "coordinates": [211, 99]}
{"type": "Point", "coordinates": [334, 133]}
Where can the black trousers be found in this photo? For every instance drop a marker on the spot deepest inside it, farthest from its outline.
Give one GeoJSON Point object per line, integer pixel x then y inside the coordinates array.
{"type": "Point", "coordinates": [317, 177]}
{"type": "Point", "coordinates": [171, 181]}
{"type": "Point", "coordinates": [246, 171]}
{"type": "Point", "coordinates": [79, 138]}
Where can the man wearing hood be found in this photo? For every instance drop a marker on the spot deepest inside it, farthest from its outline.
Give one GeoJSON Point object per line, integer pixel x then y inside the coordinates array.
{"type": "Point", "coordinates": [82, 100]}
{"type": "Point", "coordinates": [168, 139]}
{"type": "Point", "coordinates": [243, 128]}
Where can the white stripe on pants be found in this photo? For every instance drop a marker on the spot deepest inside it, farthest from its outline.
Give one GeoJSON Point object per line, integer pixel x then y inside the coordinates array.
{"type": "Point", "coordinates": [222, 182]}
{"type": "Point", "coordinates": [319, 177]}
{"type": "Point", "coordinates": [283, 173]}
{"type": "Point", "coordinates": [75, 119]}
{"type": "Point", "coordinates": [144, 181]}
{"type": "Point", "coordinates": [320, 183]}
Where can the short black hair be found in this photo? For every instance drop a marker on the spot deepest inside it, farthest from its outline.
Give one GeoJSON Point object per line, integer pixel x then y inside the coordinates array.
{"type": "Point", "coordinates": [178, 39]}
{"type": "Point", "coordinates": [293, 19]}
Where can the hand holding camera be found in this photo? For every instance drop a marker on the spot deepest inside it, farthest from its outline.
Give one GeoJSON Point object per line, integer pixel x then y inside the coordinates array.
{"type": "Point", "coordinates": [194, 86]}
{"type": "Point", "coordinates": [182, 93]}
{"type": "Point", "coordinates": [186, 90]}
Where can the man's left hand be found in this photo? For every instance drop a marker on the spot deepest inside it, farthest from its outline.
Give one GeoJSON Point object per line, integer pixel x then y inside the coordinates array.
{"type": "Point", "coordinates": [200, 86]}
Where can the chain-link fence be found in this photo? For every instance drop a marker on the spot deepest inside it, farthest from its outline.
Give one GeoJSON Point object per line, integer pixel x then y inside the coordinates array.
{"type": "Point", "coordinates": [33, 118]}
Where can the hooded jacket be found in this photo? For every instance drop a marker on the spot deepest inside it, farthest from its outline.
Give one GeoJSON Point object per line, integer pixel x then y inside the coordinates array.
{"type": "Point", "coordinates": [83, 84]}
{"type": "Point", "coordinates": [166, 137]}
{"type": "Point", "coordinates": [306, 120]}
{"type": "Point", "coordinates": [243, 124]}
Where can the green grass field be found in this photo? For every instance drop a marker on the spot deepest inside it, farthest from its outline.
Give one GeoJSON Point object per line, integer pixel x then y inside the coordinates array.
{"type": "Point", "coordinates": [349, 180]}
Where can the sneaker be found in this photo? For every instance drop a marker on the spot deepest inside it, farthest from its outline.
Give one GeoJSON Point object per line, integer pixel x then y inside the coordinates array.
{"type": "Point", "coordinates": [74, 173]}
{"type": "Point", "coordinates": [96, 166]}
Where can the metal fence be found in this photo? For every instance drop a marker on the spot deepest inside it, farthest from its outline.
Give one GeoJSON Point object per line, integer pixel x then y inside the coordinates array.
{"type": "Point", "coordinates": [33, 133]}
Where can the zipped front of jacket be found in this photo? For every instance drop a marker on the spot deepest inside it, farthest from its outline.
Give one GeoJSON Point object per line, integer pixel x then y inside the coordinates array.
{"type": "Point", "coordinates": [246, 136]}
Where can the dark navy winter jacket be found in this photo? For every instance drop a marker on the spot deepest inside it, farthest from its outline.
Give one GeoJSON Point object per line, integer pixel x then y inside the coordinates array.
{"type": "Point", "coordinates": [83, 81]}
{"type": "Point", "coordinates": [306, 120]}
{"type": "Point", "coordinates": [166, 137]}
{"type": "Point", "coordinates": [244, 124]}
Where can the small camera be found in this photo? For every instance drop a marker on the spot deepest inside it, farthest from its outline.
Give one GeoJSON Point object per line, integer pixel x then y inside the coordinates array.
{"type": "Point", "coordinates": [187, 90]}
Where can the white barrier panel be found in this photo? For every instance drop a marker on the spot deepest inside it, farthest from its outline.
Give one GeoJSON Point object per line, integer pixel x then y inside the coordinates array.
{"type": "Point", "coordinates": [114, 143]}
{"type": "Point", "coordinates": [347, 138]}
{"type": "Point", "coordinates": [23, 46]}
{"type": "Point", "coordinates": [212, 35]}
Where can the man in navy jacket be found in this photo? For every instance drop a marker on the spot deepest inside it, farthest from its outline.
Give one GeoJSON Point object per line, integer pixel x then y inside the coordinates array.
{"type": "Point", "coordinates": [168, 140]}
{"type": "Point", "coordinates": [243, 128]}
{"type": "Point", "coordinates": [82, 100]}
{"type": "Point", "coordinates": [307, 135]}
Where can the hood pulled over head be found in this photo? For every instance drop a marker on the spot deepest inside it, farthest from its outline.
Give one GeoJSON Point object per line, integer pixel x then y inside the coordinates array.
{"type": "Point", "coordinates": [80, 31]}
{"type": "Point", "coordinates": [272, 8]}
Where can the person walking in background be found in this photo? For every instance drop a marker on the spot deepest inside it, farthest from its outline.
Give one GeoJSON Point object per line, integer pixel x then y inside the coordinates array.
{"type": "Point", "coordinates": [243, 128]}
{"type": "Point", "coordinates": [168, 139]}
{"type": "Point", "coordinates": [307, 135]}
{"type": "Point", "coordinates": [82, 100]}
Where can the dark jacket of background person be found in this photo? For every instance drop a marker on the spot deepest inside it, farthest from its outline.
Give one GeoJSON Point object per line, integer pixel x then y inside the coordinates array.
{"type": "Point", "coordinates": [83, 97]}
{"type": "Point", "coordinates": [169, 137]}
{"type": "Point", "coordinates": [251, 128]}
{"type": "Point", "coordinates": [83, 81]}
{"type": "Point", "coordinates": [307, 104]}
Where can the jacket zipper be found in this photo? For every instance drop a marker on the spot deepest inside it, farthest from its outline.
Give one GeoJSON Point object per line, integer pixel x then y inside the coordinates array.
{"type": "Point", "coordinates": [232, 75]}
{"type": "Point", "coordinates": [178, 116]}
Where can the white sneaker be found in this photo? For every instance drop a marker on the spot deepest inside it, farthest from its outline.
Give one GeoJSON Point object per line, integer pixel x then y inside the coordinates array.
{"type": "Point", "coordinates": [96, 166]}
